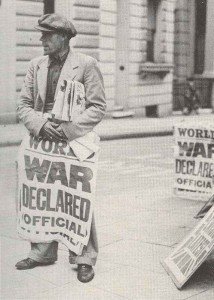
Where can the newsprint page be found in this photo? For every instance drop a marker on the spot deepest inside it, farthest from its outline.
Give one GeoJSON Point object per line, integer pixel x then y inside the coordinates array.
{"type": "Point", "coordinates": [107, 149]}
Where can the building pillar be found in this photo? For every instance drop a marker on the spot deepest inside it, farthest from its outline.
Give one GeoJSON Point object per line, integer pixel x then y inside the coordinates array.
{"type": "Point", "coordinates": [209, 46]}
{"type": "Point", "coordinates": [122, 53]}
{"type": "Point", "coordinates": [8, 61]}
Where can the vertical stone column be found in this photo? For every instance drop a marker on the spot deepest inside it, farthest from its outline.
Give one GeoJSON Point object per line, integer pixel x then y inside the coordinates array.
{"type": "Point", "coordinates": [8, 61]}
{"type": "Point", "coordinates": [209, 47]}
{"type": "Point", "coordinates": [122, 53]}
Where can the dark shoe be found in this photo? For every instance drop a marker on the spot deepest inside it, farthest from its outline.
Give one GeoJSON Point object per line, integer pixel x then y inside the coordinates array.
{"type": "Point", "coordinates": [85, 273]}
{"type": "Point", "coordinates": [29, 263]}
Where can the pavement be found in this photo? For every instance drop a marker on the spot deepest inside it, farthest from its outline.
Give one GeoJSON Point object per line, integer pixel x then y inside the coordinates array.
{"type": "Point", "coordinates": [110, 129]}
{"type": "Point", "coordinates": [139, 222]}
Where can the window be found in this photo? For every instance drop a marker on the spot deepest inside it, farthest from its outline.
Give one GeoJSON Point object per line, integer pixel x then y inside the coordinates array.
{"type": "Point", "coordinates": [200, 31]}
{"type": "Point", "coordinates": [48, 6]}
{"type": "Point", "coordinates": [152, 30]}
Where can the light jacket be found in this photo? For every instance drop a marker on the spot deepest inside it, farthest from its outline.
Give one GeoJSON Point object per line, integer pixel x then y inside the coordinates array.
{"type": "Point", "coordinates": [77, 66]}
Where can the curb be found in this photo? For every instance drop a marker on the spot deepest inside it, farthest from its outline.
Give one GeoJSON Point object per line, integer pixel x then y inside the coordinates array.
{"type": "Point", "coordinates": [134, 135]}
{"type": "Point", "coordinates": [103, 138]}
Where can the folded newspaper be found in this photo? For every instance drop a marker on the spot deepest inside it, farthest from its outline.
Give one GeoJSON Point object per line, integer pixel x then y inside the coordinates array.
{"type": "Point", "coordinates": [69, 103]}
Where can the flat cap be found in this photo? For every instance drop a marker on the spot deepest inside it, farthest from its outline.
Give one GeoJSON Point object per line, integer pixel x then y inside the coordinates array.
{"type": "Point", "coordinates": [56, 23]}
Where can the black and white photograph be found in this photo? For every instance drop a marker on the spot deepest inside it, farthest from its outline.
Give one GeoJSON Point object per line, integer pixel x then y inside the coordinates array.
{"type": "Point", "coordinates": [107, 149]}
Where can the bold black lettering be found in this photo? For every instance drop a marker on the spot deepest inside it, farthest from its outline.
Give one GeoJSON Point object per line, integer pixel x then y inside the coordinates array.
{"type": "Point", "coordinates": [209, 185]}
{"type": "Point", "coordinates": [84, 209]}
{"type": "Point", "coordinates": [59, 148]}
{"type": "Point", "coordinates": [27, 219]}
{"type": "Point", "coordinates": [68, 203]}
{"type": "Point", "coordinates": [32, 197]}
{"type": "Point", "coordinates": [80, 174]}
{"type": "Point", "coordinates": [60, 224]}
{"type": "Point", "coordinates": [35, 220]}
{"type": "Point", "coordinates": [206, 134]}
{"type": "Point", "coordinates": [199, 133]}
{"type": "Point", "coordinates": [45, 220]}
{"type": "Point", "coordinates": [48, 203]}
{"type": "Point", "coordinates": [210, 150]}
{"type": "Point", "coordinates": [47, 146]}
{"type": "Point", "coordinates": [199, 149]}
{"type": "Point", "coordinates": [190, 167]}
{"type": "Point", "coordinates": [211, 171]}
{"type": "Point", "coordinates": [206, 170]}
{"type": "Point", "coordinates": [191, 132]}
{"type": "Point", "coordinates": [35, 168]}
{"type": "Point", "coordinates": [25, 195]}
{"type": "Point", "coordinates": [73, 227]}
{"type": "Point", "coordinates": [182, 131]}
{"type": "Point", "coordinates": [40, 192]}
{"type": "Point", "coordinates": [185, 148]}
{"type": "Point", "coordinates": [79, 231]}
{"type": "Point", "coordinates": [57, 167]}
{"type": "Point", "coordinates": [76, 206]}
{"type": "Point", "coordinates": [60, 201]}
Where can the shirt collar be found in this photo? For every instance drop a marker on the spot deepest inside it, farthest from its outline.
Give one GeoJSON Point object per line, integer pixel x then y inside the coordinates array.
{"type": "Point", "coordinates": [60, 58]}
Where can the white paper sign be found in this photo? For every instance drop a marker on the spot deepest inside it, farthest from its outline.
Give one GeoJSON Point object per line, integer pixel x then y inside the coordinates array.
{"type": "Point", "coordinates": [56, 193]}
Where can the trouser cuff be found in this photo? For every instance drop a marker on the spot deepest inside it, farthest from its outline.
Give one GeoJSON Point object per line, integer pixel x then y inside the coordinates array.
{"type": "Point", "coordinates": [42, 259]}
{"type": "Point", "coordinates": [85, 261]}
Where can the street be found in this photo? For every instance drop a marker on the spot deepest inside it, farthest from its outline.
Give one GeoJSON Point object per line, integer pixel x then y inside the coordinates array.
{"type": "Point", "coordinates": [139, 221]}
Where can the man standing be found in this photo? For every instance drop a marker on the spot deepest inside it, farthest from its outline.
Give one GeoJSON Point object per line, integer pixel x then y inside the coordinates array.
{"type": "Point", "coordinates": [40, 87]}
{"type": "Point", "coordinates": [191, 98]}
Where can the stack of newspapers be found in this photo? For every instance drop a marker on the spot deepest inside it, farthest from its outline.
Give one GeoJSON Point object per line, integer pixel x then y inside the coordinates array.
{"type": "Point", "coordinates": [70, 101]}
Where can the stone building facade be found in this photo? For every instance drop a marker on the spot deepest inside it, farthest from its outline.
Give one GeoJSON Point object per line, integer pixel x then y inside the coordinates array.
{"type": "Point", "coordinates": [193, 49]}
{"type": "Point", "coordinates": [139, 45]}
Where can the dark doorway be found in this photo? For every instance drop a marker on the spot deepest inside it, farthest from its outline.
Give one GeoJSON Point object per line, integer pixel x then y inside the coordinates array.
{"type": "Point", "coordinates": [200, 31]}
{"type": "Point", "coordinates": [49, 6]}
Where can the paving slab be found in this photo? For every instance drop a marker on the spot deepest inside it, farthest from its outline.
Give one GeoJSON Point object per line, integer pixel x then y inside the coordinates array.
{"type": "Point", "coordinates": [62, 273]}
{"type": "Point", "coordinates": [77, 291]}
{"type": "Point", "coordinates": [206, 295]}
{"type": "Point", "coordinates": [19, 285]}
{"type": "Point", "coordinates": [138, 283]}
{"type": "Point", "coordinates": [136, 254]}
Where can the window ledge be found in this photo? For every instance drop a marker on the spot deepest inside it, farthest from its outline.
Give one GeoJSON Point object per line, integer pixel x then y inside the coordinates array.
{"type": "Point", "coordinates": [160, 69]}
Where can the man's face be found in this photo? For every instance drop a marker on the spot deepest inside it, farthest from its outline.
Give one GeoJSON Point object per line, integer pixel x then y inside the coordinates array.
{"type": "Point", "coordinates": [52, 42]}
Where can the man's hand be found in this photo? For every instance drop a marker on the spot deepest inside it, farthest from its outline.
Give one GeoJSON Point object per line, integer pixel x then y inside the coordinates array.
{"type": "Point", "coordinates": [52, 132]}
{"type": "Point", "coordinates": [61, 132]}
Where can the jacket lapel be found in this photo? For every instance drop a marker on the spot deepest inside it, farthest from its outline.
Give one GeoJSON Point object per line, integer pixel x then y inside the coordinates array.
{"type": "Point", "coordinates": [42, 77]}
{"type": "Point", "coordinates": [69, 70]}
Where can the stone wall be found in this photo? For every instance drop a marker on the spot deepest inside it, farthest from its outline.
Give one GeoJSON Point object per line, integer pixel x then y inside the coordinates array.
{"type": "Point", "coordinates": [151, 90]}
{"type": "Point", "coordinates": [107, 48]}
{"type": "Point", "coordinates": [28, 45]}
{"type": "Point", "coordinates": [182, 39]}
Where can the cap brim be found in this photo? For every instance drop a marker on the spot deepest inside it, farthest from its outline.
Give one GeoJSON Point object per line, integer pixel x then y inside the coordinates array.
{"type": "Point", "coordinates": [40, 28]}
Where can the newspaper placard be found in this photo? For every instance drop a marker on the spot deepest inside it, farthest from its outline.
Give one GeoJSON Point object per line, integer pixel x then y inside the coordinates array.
{"type": "Point", "coordinates": [56, 193]}
{"type": "Point", "coordinates": [194, 160]}
{"type": "Point", "coordinates": [192, 251]}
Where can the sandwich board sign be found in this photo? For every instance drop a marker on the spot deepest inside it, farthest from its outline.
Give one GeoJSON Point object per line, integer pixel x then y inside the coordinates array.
{"type": "Point", "coordinates": [188, 255]}
{"type": "Point", "coordinates": [193, 156]}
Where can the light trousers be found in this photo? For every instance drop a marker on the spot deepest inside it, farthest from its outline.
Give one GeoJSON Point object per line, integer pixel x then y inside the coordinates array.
{"type": "Point", "coordinates": [47, 252]}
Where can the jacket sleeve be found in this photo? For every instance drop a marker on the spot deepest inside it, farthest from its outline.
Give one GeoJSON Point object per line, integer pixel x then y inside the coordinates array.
{"type": "Point", "coordinates": [33, 120]}
{"type": "Point", "coordinates": [95, 104]}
